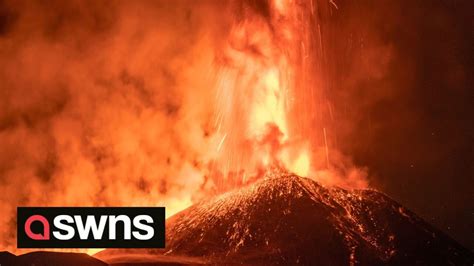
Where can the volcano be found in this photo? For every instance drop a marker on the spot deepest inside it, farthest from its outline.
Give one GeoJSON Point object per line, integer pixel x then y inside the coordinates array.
{"type": "Point", "coordinates": [285, 219]}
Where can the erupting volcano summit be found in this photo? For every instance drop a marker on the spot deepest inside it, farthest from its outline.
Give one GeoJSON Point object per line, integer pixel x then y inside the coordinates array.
{"type": "Point", "coordinates": [284, 219]}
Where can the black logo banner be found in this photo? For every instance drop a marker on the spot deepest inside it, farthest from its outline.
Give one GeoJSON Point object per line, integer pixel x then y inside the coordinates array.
{"type": "Point", "coordinates": [90, 227]}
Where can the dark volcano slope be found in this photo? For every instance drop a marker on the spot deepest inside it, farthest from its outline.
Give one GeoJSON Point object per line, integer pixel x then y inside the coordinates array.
{"type": "Point", "coordinates": [284, 219]}
{"type": "Point", "coordinates": [44, 258]}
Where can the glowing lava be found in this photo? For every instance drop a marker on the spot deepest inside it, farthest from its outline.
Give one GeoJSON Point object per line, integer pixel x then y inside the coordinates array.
{"type": "Point", "coordinates": [255, 87]}
{"type": "Point", "coordinates": [270, 84]}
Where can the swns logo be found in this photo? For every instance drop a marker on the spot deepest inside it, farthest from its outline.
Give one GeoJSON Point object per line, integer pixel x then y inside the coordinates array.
{"type": "Point", "coordinates": [90, 227]}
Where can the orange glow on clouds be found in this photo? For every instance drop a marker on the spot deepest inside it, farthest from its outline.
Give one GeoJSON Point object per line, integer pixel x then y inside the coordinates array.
{"type": "Point", "coordinates": [156, 105]}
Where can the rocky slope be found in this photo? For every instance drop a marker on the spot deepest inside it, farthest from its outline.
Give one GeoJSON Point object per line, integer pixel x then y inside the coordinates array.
{"type": "Point", "coordinates": [284, 219]}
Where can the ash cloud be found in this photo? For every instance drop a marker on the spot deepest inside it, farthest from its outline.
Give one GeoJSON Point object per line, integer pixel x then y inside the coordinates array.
{"type": "Point", "coordinates": [102, 103]}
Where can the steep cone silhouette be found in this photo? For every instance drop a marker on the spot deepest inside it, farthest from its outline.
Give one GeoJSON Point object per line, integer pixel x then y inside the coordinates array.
{"type": "Point", "coordinates": [285, 219]}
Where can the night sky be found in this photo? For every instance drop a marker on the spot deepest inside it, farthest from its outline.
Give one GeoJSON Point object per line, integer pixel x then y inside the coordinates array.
{"type": "Point", "coordinates": [412, 123]}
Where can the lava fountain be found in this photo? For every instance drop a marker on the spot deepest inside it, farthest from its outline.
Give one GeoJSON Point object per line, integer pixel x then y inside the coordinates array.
{"type": "Point", "coordinates": [269, 84]}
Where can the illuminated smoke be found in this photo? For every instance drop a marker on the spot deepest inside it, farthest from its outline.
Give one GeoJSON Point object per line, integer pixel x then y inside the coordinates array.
{"type": "Point", "coordinates": [128, 104]}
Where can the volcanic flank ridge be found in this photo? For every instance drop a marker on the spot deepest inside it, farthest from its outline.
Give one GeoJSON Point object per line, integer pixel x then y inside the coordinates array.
{"type": "Point", "coordinates": [285, 219]}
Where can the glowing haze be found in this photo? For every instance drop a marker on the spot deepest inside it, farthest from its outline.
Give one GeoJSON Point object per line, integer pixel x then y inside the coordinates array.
{"type": "Point", "coordinates": [152, 103]}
